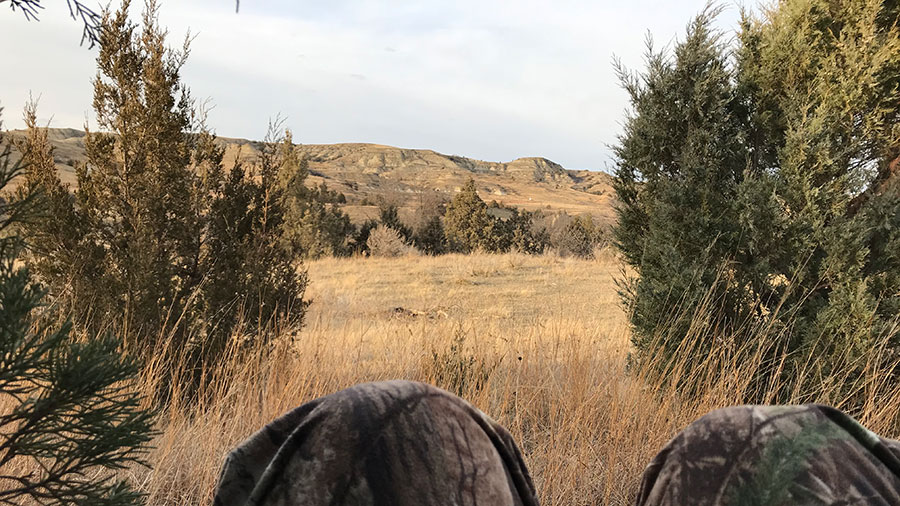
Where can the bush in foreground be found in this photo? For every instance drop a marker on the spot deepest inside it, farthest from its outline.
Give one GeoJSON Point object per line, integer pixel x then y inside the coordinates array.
{"type": "Point", "coordinates": [71, 415]}
{"type": "Point", "coordinates": [769, 196]}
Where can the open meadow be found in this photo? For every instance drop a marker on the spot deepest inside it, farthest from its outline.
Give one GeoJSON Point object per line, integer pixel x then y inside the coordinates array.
{"type": "Point", "coordinates": [537, 342]}
{"type": "Point", "coordinates": [540, 343]}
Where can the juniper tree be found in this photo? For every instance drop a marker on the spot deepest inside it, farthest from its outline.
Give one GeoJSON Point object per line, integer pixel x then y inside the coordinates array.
{"type": "Point", "coordinates": [389, 216]}
{"type": "Point", "coordinates": [74, 415]}
{"type": "Point", "coordinates": [466, 223]}
{"type": "Point", "coordinates": [822, 205]}
{"type": "Point", "coordinates": [314, 224]}
{"type": "Point", "coordinates": [247, 277]}
{"type": "Point", "coordinates": [167, 242]}
{"type": "Point", "coordinates": [134, 191]}
{"type": "Point", "coordinates": [56, 236]}
{"type": "Point", "coordinates": [679, 161]}
{"type": "Point", "coordinates": [771, 192]}
{"type": "Point", "coordinates": [429, 237]}
{"type": "Point", "coordinates": [526, 235]}
{"type": "Point", "coordinates": [360, 238]}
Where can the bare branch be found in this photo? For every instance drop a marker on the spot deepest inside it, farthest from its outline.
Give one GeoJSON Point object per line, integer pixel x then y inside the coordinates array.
{"type": "Point", "coordinates": [90, 18]}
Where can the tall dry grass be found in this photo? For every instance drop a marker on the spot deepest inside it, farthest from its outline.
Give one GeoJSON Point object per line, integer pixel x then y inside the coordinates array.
{"type": "Point", "coordinates": [538, 343]}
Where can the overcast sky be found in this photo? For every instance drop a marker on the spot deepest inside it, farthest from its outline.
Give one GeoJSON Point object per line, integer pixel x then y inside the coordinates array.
{"type": "Point", "coordinates": [488, 79]}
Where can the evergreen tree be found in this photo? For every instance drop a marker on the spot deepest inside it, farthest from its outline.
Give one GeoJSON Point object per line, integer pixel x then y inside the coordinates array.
{"type": "Point", "coordinates": [822, 204]}
{"type": "Point", "coordinates": [360, 241]}
{"type": "Point", "coordinates": [389, 216]}
{"type": "Point", "coordinates": [314, 225]}
{"type": "Point", "coordinates": [158, 229]}
{"type": "Point", "coordinates": [55, 231]}
{"type": "Point", "coordinates": [678, 164]}
{"type": "Point", "coordinates": [75, 414]}
{"type": "Point", "coordinates": [524, 234]}
{"type": "Point", "coordinates": [772, 193]}
{"type": "Point", "coordinates": [467, 224]}
{"type": "Point", "coordinates": [244, 232]}
{"type": "Point", "coordinates": [429, 238]}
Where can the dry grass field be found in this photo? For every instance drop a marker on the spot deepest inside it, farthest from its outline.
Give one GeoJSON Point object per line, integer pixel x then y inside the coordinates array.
{"type": "Point", "coordinates": [538, 343]}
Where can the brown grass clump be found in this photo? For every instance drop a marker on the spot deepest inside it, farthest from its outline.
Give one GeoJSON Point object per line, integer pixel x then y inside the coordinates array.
{"type": "Point", "coordinates": [538, 343]}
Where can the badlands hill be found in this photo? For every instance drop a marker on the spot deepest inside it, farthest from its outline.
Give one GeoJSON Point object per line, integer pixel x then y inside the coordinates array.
{"type": "Point", "coordinates": [365, 172]}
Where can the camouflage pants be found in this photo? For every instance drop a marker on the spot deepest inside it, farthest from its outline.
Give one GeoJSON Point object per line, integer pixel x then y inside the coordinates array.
{"type": "Point", "coordinates": [774, 455]}
{"type": "Point", "coordinates": [403, 443]}
{"type": "Point", "coordinates": [389, 443]}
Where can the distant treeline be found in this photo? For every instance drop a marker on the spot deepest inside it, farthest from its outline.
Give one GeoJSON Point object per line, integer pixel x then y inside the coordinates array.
{"type": "Point", "coordinates": [463, 224]}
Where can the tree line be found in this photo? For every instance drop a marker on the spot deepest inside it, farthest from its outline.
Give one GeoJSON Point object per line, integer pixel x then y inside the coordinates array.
{"type": "Point", "coordinates": [462, 224]}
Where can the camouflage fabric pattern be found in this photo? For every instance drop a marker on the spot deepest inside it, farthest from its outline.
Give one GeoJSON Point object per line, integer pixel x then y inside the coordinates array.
{"type": "Point", "coordinates": [774, 455]}
{"type": "Point", "coordinates": [387, 443]}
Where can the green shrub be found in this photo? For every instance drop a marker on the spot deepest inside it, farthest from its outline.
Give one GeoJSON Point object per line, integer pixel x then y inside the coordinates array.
{"type": "Point", "coordinates": [771, 193]}
{"type": "Point", "coordinates": [360, 238]}
{"type": "Point", "coordinates": [429, 237]}
{"type": "Point", "coordinates": [466, 223]}
{"type": "Point", "coordinates": [314, 224]}
{"type": "Point", "coordinates": [470, 225]}
{"type": "Point", "coordinates": [389, 216]}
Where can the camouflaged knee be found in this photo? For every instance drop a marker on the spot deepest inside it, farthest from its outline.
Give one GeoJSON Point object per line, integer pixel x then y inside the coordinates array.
{"type": "Point", "coordinates": [387, 443]}
{"type": "Point", "coordinates": [774, 455]}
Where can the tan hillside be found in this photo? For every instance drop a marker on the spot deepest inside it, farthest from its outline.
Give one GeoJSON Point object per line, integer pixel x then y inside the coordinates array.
{"type": "Point", "coordinates": [365, 172]}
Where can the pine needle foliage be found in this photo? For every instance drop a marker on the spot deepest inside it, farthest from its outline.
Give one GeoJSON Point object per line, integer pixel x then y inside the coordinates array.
{"type": "Point", "coordinates": [429, 236]}
{"type": "Point", "coordinates": [315, 226]}
{"type": "Point", "coordinates": [679, 162]}
{"type": "Point", "coordinates": [466, 222]}
{"type": "Point", "coordinates": [389, 216]}
{"type": "Point", "coordinates": [74, 414]}
{"type": "Point", "coordinates": [781, 462]}
{"type": "Point", "coordinates": [472, 225]}
{"type": "Point", "coordinates": [822, 208]}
